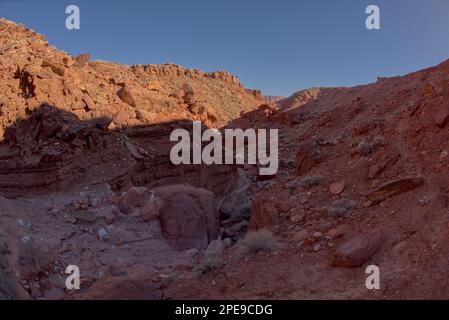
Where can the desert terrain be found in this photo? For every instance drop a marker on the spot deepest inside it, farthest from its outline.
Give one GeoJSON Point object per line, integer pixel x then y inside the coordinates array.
{"type": "Point", "coordinates": [86, 180]}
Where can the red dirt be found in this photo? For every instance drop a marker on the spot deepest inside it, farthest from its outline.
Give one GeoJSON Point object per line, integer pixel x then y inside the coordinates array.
{"type": "Point", "coordinates": [363, 180]}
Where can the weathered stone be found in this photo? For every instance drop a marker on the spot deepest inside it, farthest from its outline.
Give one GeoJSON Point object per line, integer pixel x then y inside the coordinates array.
{"type": "Point", "coordinates": [188, 216]}
{"type": "Point", "coordinates": [154, 85]}
{"type": "Point", "coordinates": [85, 216]}
{"type": "Point", "coordinates": [393, 188]}
{"type": "Point", "coordinates": [89, 102]}
{"type": "Point", "coordinates": [337, 188]}
{"type": "Point", "coordinates": [135, 198]}
{"type": "Point", "coordinates": [441, 116]}
{"type": "Point", "coordinates": [338, 231]}
{"type": "Point", "coordinates": [58, 69]}
{"type": "Point", "coordinates": [127, 96]}
{"type": "Point", "coordinates": [121, 117]}
{"type": "Point", "coordinates": [359, 249]}
{"type": "Point", "coordinates": [150, 210]}
{"type": "Point", "coordinates": [146, 116]}
{"type": "Point", "coordinates": [103, 235]}
{"type": "Point", "coordinates": [134, 151]}
{"type": "Point", "coordinates": [308, 157]}
{"type": "Point", "coordinates": [215, 248]}
{"type": "Point", "coordinates": [301, 235]}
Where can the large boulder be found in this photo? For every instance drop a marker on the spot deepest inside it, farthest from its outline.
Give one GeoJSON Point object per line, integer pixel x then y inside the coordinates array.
{"type": "Point", "coordinates": [188, 216]}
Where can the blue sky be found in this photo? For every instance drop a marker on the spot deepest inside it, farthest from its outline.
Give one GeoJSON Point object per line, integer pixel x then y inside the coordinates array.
{"type": "Point", "coordinates": [278, 46]}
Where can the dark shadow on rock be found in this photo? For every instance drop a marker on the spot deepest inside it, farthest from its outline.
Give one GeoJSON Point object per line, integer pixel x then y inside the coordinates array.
{"type": "Point", "coordinates": [53, 149]}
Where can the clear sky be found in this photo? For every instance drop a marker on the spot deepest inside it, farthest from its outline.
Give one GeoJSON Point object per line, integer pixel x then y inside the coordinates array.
{"type": "Point", "coordinates": [279, 46]}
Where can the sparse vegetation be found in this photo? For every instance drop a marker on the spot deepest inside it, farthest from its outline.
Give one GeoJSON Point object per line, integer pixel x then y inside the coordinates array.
{"type": "Point", "coordinates": [209, 264]}
{"type": "Point", "coordinates": [310, 181]}
{"type": "Point", "coordinates": [256, 241]}
{"type": "Point", "coordinates": [306, 183]}
{"type": "Point", "coordinates": [365, 148]}
{"type": "Point", "coordinates": [341, 207]}
{"type": "Point", "coordinates": [33, 257]}
{"type": "Point", "coordinates": [170, 103]}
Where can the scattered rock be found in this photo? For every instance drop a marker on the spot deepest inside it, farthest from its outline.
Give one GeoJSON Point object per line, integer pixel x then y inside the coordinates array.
{"type": "Point", "coordinates": [317, 235]}
{"type": "Point", "coordinates": [337, 188]}
{"type": "Point", "coordinates": [127, 96]}
{"type": "Point", "coordinates": [393, 188]}
{"type": "Point", "coordinates": [150, 210]}
{"type": "Point", "coordinates": [215, 248]}
{"type": "Point", "coordinates": [146, 116]}
{"type": "Point", "coordinates": [338, 231]}
{"type": "Point", "coordinates": [135, 198]}
{"type": "Point", "coordinates": [242, 225]}
{"type": "Point", "coordinates": [359, 249]}
{"type": "Point", "coordinates": [441, 116]}
{"type": "Point", "coordinates": [134, 151]}
{"type": "Point", "coordinates": [301, 235]}
{"type": "Point", "coordinates": [108, 214]}
{"type": "Point", "coordinates": [307, 157]}
{"type": "Point", "coordinates": [297, 217]}
{"type": "Point", "coordinates": [85, 216]}
{"type": "Point", "coordinates": [89, 102]}
{"type": "Point", "coordinates": [103, 235]}
{"type": "Point", "coordinates": [59, 70]}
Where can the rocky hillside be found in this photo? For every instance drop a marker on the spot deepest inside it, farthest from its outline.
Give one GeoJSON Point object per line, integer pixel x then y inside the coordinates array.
{"type": "Point", "coordinates": [32, 72]}
{"type": "Point", "coordinates": [364, 180]}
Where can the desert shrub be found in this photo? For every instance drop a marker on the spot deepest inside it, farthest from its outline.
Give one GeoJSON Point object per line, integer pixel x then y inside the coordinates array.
{"type": "Point", "coordinates": [341, 207]}
{"type": "Point", "coordinates": [256, 241]}
{"type": "Point", "coordinates": [365, 148]}
{"type": "Point", "coordinates": [292, 186]}
{"type": "Point", "coordinates": [33, 258]}
{"type": "Point", "coordinates": [209, 264]}
{"type": "Point", "coordinates": [7, 289]}
{"type": "Point", "coordinates": [310, 181]}
{"type": "Point", "coordinates": [170, 103]}
{"type": "Point", "coordinates": [306, 183]}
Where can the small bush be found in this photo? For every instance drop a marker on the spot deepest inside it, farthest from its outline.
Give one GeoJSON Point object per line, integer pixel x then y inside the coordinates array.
{"type": "Point", "coordinates": [311, 181]}
{"type": "Point", "coordinates": [340, 207]}
{"type": "Point", "coordinates": [209, 264]}
{"type": "Point", "coordinates": [256, 241]}
{"type": "Point", "coordinates": [306, 183]}
{"type": "Point", "coordinates": [170, 103]}
{"type": "Point", "coordinates": [365, 148]}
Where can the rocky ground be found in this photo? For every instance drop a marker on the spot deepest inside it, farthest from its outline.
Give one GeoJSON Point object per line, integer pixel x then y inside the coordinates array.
{"type": "Point", "coordinates": [364, 181]}
{"type": "Point", "coordinates": [86, 180]}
